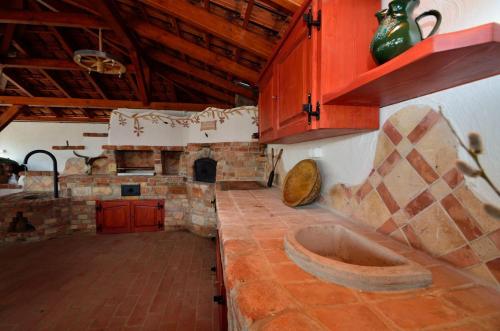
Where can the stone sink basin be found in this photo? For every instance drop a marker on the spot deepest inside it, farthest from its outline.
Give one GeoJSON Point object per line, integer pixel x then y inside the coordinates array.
{"type": "Point", "coordinates": [336, 254]}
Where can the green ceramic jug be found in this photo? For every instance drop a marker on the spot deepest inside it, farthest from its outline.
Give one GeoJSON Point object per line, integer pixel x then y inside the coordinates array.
{"type": "Point", "coordinates": [398, 31]}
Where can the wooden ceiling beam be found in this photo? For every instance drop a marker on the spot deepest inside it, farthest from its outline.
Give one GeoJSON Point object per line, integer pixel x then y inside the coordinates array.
{"type": "Point", "coordinates": [104, 103]}
{"type": "Point", "coordinates": [207, 90]}
{"type": "Point", "coordinates": [110, 12]}
{"type": "Point", "coordinates": [10, 29]}
{"type": "Point", "coordinates": [66, 119]}
{"type": "Point", "coordinates": [216, 25]}
{"type": "Point", "coordinates": [16, 84]}
{"type": "Point", "coordinates": [189, 69]}
{"type": "Point", "coordinates": [9, 115]}
{"type": "Point", "coordinates": [46, 64]}
{"type": "Point", "coordinates": [75, 20]}
{"type": "Point", "coordinates": [169, 40]}
{"type": "Point", "coordinates": [287, 5]}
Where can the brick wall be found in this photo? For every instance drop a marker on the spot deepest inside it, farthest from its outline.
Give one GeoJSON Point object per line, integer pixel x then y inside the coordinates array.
{"type": "Point", "coordinates": [85, 190]}
{"type": "Point", "coordinates": [49, 216]}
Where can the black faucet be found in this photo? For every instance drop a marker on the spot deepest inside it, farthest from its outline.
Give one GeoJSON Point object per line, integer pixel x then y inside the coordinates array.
{"type": "Point", "coordinates": [54, 163]}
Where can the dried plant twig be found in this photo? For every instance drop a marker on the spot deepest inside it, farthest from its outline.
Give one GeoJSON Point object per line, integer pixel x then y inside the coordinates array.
{"type": "Point", "coordinates": [474, 149]}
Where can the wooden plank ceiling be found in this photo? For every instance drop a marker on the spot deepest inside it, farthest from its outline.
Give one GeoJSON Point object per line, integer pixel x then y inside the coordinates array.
{"type": "Point", "coordinates": [179, 54]}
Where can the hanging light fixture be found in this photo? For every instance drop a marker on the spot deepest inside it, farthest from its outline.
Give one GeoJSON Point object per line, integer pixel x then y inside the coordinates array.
{"type": "Point", "coordinates": [99, 61]}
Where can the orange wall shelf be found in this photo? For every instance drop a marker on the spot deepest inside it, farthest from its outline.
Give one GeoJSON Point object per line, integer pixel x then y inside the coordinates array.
{"type": "Point", "coordinates": [438, 63]}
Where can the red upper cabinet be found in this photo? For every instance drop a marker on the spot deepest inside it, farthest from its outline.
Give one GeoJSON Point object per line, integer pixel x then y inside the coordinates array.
{"type": "Point", "coordinates": [314, 57]}
{"type": "Point", "coordinates": [267, 98]}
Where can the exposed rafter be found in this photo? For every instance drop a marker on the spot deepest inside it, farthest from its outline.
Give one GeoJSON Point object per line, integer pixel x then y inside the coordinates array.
{"type": "Point", "coordinates": [108, 10]}
{"type": "Point", "coordinates": [103, 103]}
{"type": "Point", "coordinates": [9, 115]}
{"type": "Point", "coordinates": [189, 69]}
{"type": "Point", "coordinates": [159, 35]}
{"type": "Point", "coordinates": [51, 19]}
{"type": "Point", "coordinates": [213, 24]}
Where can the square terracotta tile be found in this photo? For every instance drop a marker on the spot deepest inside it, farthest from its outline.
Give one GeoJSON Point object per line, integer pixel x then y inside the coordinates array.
{"type": "Point", "coordinates": [363, 191]}
{"type": "Point", "coordinates": [349, 318]}
{"type": "Point", "coordinates": [475, 208]}
{"type": "Point", "coordinates": [384, 149]}
{"type": "Point", "coordinates": [406, 119]}
{"type": "Point", "coordinates": [462, 257]}
{"type": "Point", "coordinates": [290, 272]}
{"type": "Point", "coordinates": [292, 320]}
{"type": "Point", "coordinates": [495, 238]}
{"type": "Point", "coordinates": [372, 211]}
{"type": "Point", "coordinates": [440, 189]}
{"type": "Point", "coordinates": [422, 167]}
{"type": "Point", "coordinates": [404, 183]}
{"type": "Point", "coordinates": [388, 227]}
{"type": "Point", "coordinates": [494, 267]}
{"type": "Point", "coordinates": [453, 178]}
{"type": "Point", "coordinates": [412, 238]}
{"type": "Point", "coordinates": [386, 196]}
{"type": "Point", "coordinates": [461, 217]}
{"type": "Point", "coordinates": [421, 202]}
{"type": "Point", "coordinates": [436, 231]}
{"type": "Point", "coordinates": [418, 312]}
{"type": "Point", "coordinates": [404, 147]}
{"type": "Point", "coordinates": [438, 148]}
{"type": "Point", "coordinates": [392, 133]}
{"type": "Point", "coordinates": [485, 249]}
{"type": "Point", "coordinates": [475, 300]}
{"type": "Point", "coordinates": [389, 163]}
{"type": "Point", "coordinates": [424, 126]}
{"type": "Point", "coordinates": [321, 293]}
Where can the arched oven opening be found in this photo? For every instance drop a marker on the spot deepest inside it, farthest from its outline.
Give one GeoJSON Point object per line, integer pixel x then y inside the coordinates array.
{"type": "Point", "coordinates": [205, 170]}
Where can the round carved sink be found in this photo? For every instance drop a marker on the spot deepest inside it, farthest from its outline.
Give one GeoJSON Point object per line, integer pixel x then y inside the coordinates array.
{"type": "Point", "coordinates": [339, 255]}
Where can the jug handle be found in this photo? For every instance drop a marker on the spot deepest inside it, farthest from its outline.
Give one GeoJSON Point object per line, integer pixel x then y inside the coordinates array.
{"type": "Point", "coordinates": [438, 17]}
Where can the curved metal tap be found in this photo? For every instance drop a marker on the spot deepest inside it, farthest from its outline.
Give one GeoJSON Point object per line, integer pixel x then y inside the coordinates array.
{"type": "Point", "coordinates": [54, 163]}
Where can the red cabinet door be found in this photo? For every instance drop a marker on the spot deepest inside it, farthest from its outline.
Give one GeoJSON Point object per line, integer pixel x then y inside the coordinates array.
{"type": "Point", "coordinates": [293, 79]}
{"type": "Point", "coordinates": [267, 104]}
{"type": "Point", "coordinates": [147, 215]}
{"type": "Point", "coordinates": [123, 216]}
{"type": "Point", "coordinates": [113, 217]}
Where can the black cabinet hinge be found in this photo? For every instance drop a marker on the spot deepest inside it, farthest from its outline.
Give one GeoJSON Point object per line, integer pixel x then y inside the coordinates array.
{"type": "Point", "coordinates": [309, 19]}
{"type": "Point", "coordinates": [98, 207]}
{"type": "Point", "coordinates": [159, 206]}
{"type": "Point", "coordinates": [221, 300]}
{"type": "Point", "coordinates": [308, 108]}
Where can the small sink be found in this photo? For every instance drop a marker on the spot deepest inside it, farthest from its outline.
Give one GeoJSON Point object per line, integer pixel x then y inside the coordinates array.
{"type": "Point", "coordinates": [339, 255]}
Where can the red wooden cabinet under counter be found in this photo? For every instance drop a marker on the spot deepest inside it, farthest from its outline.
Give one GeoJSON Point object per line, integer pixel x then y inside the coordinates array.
{"type": "Point", "coordinates": [123, 216]}
{"type": "Point", "coordinates": [220, 296]}
{"type": "Point", "coordinates": [326, 46]}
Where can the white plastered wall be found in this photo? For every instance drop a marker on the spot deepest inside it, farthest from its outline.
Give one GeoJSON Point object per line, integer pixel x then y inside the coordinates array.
{"type": "Point", "coordinates": [471, 107]}
{"type": "Point", "coordinates": [20, 138]}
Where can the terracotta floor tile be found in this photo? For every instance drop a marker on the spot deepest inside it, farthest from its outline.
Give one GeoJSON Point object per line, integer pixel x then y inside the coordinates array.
{"type": "Point", "coordinates": [290, 272]}
{"type": "Point", "coordinates": [292, 321]}
{"type": "Point", "coordinates": [475, 300]}
{"type": "Point", "coordinates": [491, 322]}
{"type": "Point", "coordinates": [320, 293]}
{"type": "Point", "coordinates": [418, 312]}
{"type": "Point", "coordinates": [88, 282]}
{"type": "Point", "coordinates": [349, 318]}
{"type": "Point", "coordinates": [261, 299]}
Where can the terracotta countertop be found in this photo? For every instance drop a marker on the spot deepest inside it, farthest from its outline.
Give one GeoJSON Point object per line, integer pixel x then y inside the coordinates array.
{"type": "Point", "coordinates": [267, 291]}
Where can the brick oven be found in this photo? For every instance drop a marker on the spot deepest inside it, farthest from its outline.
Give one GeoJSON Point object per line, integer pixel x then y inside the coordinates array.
{"type": "Point", "coordinates": [188, 203]}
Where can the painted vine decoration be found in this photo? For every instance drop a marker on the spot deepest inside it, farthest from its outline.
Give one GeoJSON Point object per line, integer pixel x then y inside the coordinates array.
{"type": "Point", "coordinates": [173, 121]}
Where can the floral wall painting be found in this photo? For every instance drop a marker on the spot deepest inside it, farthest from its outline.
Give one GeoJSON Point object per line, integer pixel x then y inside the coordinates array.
{"type": "Point", "coordinates": [208, 125]}
{"type": "Point", "coordinates": [173, 128]}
